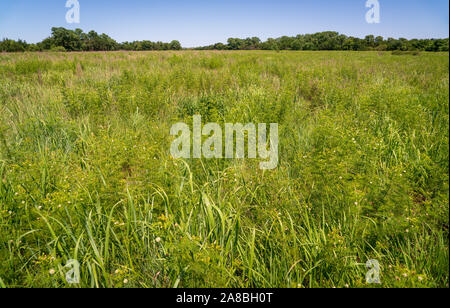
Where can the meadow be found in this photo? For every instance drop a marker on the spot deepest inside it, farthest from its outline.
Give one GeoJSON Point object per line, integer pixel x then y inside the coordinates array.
{"type": "Point", "coordinates": [86, 171]}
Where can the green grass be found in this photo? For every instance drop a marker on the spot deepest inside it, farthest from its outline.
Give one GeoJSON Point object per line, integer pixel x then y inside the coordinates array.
{"type": "Point", "coordinates": [86, 173]}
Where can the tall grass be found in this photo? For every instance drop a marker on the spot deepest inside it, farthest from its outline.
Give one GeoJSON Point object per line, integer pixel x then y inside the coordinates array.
{"type": "Point", "coordinates": [86, 174]}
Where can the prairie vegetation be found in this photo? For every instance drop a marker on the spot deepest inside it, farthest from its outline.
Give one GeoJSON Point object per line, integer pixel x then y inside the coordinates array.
{"type": "Point", "coordinates": [86, 173]}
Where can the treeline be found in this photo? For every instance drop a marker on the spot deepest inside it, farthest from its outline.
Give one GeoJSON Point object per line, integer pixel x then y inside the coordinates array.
{"type": "Point", "coordinates": [63, 39]}
{"type": "Point", "coordinates": [332, 41]}
{"type": "Point", "coordinates": [76, 40]}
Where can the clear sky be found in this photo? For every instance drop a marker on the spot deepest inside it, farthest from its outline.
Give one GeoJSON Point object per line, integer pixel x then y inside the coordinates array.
{"type": "Point", "coordinates": [203, 22]}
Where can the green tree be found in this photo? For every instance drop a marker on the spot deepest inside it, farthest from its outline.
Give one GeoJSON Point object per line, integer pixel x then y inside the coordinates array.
{"type": "Point", "coordinates": [175, 45]}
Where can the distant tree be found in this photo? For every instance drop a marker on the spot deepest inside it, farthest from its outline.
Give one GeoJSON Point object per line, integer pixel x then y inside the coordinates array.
{"type": "Point", "coordinates": [7, 45]}
{"type": "Point", "coordinates": [175, 45]}
{"type": "Point", "coordinates": [33, 47]}
{"type": "Point", "coordinates": [440, 45]}
{"type": "Point", "coordinates": [297, 44]}
{"type": "Point", "coordinates": [235, 44]}
{"type": "Point", "coordinates": [271, 44]}
{"type": "Point", "coordinates": [370, 41]}
{"type": "Point", "coordinates": [285, 43]}
{"type": "Point", "coordinates": [68, 39]}
{"type": "Point", "coordinates": [219, 46]}
{"type": "Point", "coordinates": [331, 40]}
{"type": "Point", "coordinates": [393, 44]}
{"type": "Point", "coordinates": [256, 42]}
{"type": "Point", "coordinates": [379, 40]}
{"type": "Point", "coordinates": [77, 40]}
{"type": "Point", "coordinates": [403, 44]}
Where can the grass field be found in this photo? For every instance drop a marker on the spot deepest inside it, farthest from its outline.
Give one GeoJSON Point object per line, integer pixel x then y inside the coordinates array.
{"type": "Point", "coordinates": [86, 171]}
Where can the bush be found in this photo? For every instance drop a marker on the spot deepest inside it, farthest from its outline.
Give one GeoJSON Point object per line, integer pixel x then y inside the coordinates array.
{"type": "Point", "coordinates": [58, 49]}
{"type": "Point", "coordinates": [406, 53]}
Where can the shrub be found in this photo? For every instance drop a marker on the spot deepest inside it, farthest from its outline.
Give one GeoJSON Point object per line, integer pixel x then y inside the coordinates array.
{"type": "Point", "coordinates": [58, 49]}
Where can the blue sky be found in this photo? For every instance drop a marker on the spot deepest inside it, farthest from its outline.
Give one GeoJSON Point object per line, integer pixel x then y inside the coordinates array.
{"type": "Point", "coordinates": [203, 22]}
